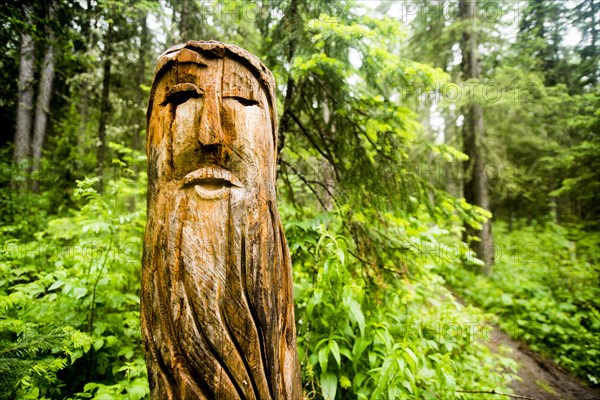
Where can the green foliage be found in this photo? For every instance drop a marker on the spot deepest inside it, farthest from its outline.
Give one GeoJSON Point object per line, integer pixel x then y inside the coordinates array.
{"type": "Point", "coordinates": [364, 221]}
{"type": "Point", "coordinates": [369, 333]}
{"type": "Point", "coordinates": [544, 289]}
{"type": "Point", "coordinates": [69, 299]}
{"type": "Point", "coordinates": [70, 320]}
{"type": "Point", "coordinates": [545, 150]}
{"type": "Point", "coordinates": [352, 122]}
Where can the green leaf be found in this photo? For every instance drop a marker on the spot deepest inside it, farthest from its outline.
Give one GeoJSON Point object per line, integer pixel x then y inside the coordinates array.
{"type": "Point", "coordinates": [138, 391]}
{"type": "Point", "coordinates": [411, 359]}
{"type": "Point", "coordinates": [56, 285]}
{"type": "Point", "coordinates": [335, 350]}
{"type": "Point", "coordinates": [358, 316]}
{"type": "Point", "coordinates": [323, 357]}
{"type": "Point", "coordinates": [394, 393]}
{"type": "Point", "coordinates": [408, 386]}
{"type": "Point", "coordinates": [105, 396]}
{"type": "Point", "coordinates": [329, 383]}
{"type": "Point", "coordinates": [98, 344]}
{"type": "Point", "coordinates": [90, 386]}
{"type": "Point", "coordinates": [79, 292]}
{"type": "Point", "coordinates": [372, 358]}
{"type": "Point", "coordinates": [359, 347]}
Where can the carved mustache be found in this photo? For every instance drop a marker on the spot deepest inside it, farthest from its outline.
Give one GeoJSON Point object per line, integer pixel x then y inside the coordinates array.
{"type": "Point", "coordinates": [211, 175]}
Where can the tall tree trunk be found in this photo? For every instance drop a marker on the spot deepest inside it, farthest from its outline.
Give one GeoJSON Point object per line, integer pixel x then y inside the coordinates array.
{"type": "Point", "coordinates": [22, 149]}
{"type": "Point", "coordinates": [84, 107]}
{"type": "Point", "coordinates": [289, 22]}
{"type": "Point", "coordinates": [326, 173]}
{"type": "Point", "coordinates": [105, 104]}
{"type": "Point", "coordinates": [84, 89]}
{"type": "Point", "coordinates": [42, 108]}
{"type": "Point", "coordinates": [141, 95]}
{"type": "Point", "coordinates": [594, 37]}
{"type": "Point", "coordinates": [186, 22]}
{"type": "Point", "coordinates": [475, 183]}
{"type": "Point", "coordinates": [452, 172]}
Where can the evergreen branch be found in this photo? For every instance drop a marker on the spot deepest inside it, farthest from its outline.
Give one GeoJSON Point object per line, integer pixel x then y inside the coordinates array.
{"type": "Point", "coordinates": [308, 136]}
{"type": "Point", "coordinates": [307, 182]}
{"type": "Point", "coordinates": [374, 264]}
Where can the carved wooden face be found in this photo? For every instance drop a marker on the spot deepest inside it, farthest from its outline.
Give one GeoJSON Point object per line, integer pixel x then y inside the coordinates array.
{"type": "Point", "coordinates": [216, 298]}
{"type": "Point", "coordinates": [212, 116]}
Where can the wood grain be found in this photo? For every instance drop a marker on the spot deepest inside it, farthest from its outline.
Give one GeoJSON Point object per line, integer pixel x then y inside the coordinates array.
{"type": "Point", "coordinates": [217, 305]}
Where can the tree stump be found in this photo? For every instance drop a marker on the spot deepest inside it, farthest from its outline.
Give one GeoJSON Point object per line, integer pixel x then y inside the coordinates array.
{"type": "Point", "coordinates": [217, 305]}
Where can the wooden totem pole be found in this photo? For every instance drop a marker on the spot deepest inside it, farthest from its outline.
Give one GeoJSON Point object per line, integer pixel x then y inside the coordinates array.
{"type": "Point", "coordinates": [217, 306]}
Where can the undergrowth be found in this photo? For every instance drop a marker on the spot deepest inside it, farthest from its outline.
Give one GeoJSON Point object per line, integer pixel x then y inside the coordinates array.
{"type": "Point", "coordinates": [69, 310]}
{"type": "Point", "coordinates": [365, 333]}
{"type": "Point", "coordinates": [545, 287]}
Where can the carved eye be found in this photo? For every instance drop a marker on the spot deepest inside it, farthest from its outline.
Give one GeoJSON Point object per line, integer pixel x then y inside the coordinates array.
{"type": "Point", "coordinates": [182, 92]}
{"type": "Point", "coordinates": [244, 101]}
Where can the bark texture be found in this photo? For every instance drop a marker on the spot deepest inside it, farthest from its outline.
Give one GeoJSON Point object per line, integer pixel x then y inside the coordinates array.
{"type": "Point", "coordinates": [189, 15]}
{"type": "Point", "coordinates": [217, 303]}
{"type": "Point", "coordinates": [25, 96]}
{"type": "Point", "coordinates": [105, 102]}
{"type": "Point", "coordinates": [44, 96]}
{"type": "Point", "coordinates": [141, 96]}
{"type": "Point", "coordinates": [475, 182]}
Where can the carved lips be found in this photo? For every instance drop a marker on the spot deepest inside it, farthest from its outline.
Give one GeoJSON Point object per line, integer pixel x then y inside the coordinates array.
{"type": "Point", "coordinates": [211, 182]}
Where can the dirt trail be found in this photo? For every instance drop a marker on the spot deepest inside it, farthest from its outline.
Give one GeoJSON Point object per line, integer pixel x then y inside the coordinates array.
{"type": "Point", "coordinates": [542, 379]}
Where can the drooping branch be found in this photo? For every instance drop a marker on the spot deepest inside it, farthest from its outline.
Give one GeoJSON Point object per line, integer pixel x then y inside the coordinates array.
{"type": "Point", "coordinates": [307, 182]}
{"type": "Point", "coordinates": [308, 136]}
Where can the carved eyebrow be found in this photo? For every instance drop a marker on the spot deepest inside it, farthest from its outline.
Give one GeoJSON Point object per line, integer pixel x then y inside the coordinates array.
{"type": "Point", "coordinates": [244, 100]}
{"type": "Point", "coordinates": [244, 96]}
{"type": "Point", "coordinates": [181, 92]}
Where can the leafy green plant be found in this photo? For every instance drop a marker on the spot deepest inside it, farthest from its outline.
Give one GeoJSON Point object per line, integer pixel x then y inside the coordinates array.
{"type": "Point", "coordinates": [69, 305]}
{"type": "Point", "coordinates": [544, 289]}
{"type": "Point", "coordinates": [389, 340]}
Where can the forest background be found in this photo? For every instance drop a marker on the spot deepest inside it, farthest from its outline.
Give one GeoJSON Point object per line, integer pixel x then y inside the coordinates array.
{"type": "Point", "coordinates": [430, 151]}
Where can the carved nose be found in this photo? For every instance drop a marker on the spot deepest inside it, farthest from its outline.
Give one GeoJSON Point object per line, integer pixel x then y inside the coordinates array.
{"type": "Point", "coordinates": [211, 132]}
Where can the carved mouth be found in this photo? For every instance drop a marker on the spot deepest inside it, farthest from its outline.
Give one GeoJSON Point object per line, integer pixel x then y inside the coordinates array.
{"type": "Point", "coordinates": [211, 182]}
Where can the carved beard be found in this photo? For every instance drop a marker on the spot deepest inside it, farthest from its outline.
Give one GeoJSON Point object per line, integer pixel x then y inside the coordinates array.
{"type": "Point", "coordinates": [215, 273]}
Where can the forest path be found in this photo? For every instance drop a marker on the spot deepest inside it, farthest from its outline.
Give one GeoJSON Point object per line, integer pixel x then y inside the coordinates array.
{"type": "Point", "coordinates": [541, 379]}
